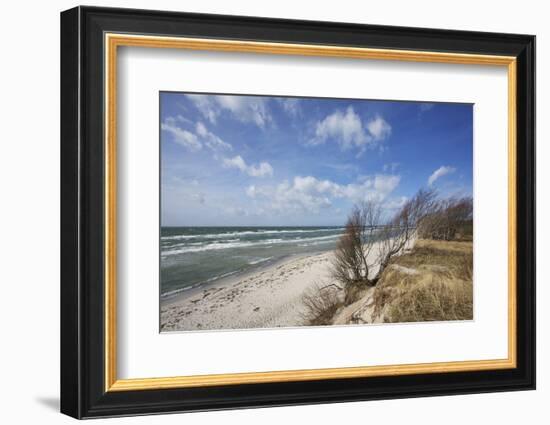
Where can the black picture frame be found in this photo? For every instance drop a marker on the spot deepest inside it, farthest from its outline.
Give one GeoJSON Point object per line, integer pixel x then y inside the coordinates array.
{"type": "Point", "coordinates": [83, 392]}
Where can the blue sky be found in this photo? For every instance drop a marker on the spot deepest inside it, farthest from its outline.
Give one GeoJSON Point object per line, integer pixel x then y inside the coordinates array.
{"type": "Point", "coordinates": [280, 161]}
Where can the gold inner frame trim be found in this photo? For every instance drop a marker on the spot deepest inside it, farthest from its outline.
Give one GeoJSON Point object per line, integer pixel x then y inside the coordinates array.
{"type": "Point", "coordinates": [113, 41]}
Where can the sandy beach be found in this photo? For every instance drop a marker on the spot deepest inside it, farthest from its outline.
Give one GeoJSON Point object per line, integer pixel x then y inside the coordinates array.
{"type": "Point", "coordinates": [266, 298]}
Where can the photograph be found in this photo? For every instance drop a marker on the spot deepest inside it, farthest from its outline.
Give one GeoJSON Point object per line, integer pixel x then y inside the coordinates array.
{"type": "Point", "coordinates": [281, 211]}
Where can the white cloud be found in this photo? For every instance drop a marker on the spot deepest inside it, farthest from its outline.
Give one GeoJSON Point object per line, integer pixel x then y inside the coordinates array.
{"type": "Point", "coordinates": [290, 105]}
{"type": "Point", "coordinates": [391, 167]}
{"type": "Point", "coordinates": [379, 128]}
{"type": "Point", "coordinates": [264, 169]}
{"type": "Point", "coordinates": [247, 108]}
{"type": "Point", "coordinates": [194, 141]}
{"type": "Point", "coordinates": [182, 137]}
{"type": "Point", "coordinates": [310, 194]}
{"type": "Point", "coordinates": [211, 141]}
{"type": "Point", "coordinates": [425, 107]}
{"type": "Point", "coordinates": [253, 191]}
{"type": "Point", "coordinates": [302, 195]}
{"type": "Point", "coordinates": [440, 172]}
{"type": "Point", "coordinates": [183, 119]}
{"type": "Point", "coordinates": [235, 162]}
{"type": "Point", "coordinates": [348, 130]}
{"type": "Point", "coordinates": [204, 137]}
{"type": "Point", "coordinates": [385, 184]}
{"type": "Point", "coordinates": [206, 106]}
{"type": "Point", "coordinates": [396, 203]}
{"type": "Point", "coordinates": [261, 170]}
{"type": "Point", "coordinates": [244, 108]}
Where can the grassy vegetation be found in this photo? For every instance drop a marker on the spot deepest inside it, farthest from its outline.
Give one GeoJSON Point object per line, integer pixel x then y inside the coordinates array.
{"type": "Point", "coordinates": [432, 283]}
{"type": "Point", "coordinates": [321, 304]}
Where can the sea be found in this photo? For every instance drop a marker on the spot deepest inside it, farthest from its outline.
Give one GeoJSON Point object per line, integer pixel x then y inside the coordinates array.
{"type": "Point", "coordinates": [192, 257]}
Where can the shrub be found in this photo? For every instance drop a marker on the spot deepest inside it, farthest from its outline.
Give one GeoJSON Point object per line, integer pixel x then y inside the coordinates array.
{"type": "Point", "coordinates": [321, 304]}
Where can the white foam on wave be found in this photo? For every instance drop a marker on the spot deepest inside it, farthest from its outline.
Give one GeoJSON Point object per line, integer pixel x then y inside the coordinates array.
{"type": "Point", "coordinates": [261, 260]}
{"type": "Point", "coordinates": [175, 292]}
{"type": "Point", "coordinates": [242, 244]}
{"type": "Point", "coordinates": [249, 232]}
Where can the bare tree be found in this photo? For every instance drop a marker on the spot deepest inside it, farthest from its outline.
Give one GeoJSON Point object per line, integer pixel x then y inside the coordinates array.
{"type": "Point", "coordinates": [457, 213]}
{"type": "Point", "coordinates": [367, 245]}
{"type": "Point", "coordinates": [447, 218]}
{"type": "Point", "coordinates": [353, 261]}
{"type": "Point", "coordinates": [402, 228]}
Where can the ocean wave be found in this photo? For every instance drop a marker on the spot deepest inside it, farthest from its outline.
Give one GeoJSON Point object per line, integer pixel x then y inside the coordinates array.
{"type": "Point", "coordinates": [175, 292]}
{"type": "Point", "coordinates": [217, 246]}
{"type": "Point", "coordinates": [248, 233]}
{"type": "Point", "coordinates": [170, 294]}
{"type": "Point", "coordinates": [312, 243]}
{"type": "Point", "coordinates": [241, 244]}
{"type": "Point", "coordinates": [258, 261]}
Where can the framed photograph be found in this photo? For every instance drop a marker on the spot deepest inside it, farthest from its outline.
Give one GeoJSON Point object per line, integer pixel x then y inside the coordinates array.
{"type": "Point", "coordinates": [261, 212]}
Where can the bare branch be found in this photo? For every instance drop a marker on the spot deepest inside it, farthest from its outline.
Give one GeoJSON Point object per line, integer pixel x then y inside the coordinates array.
{"type": "Point", "coordinates": [330, 286]}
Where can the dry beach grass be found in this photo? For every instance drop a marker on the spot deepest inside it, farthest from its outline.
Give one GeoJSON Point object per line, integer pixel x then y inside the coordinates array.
{"type": "Point", "coordinates": [432, 282]}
